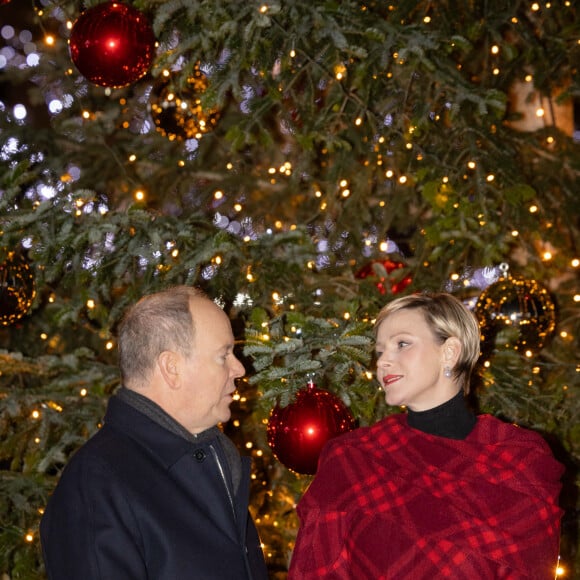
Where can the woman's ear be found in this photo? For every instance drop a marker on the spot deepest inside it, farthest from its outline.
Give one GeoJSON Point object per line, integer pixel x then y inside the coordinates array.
{"type": "Point", "coordinates": [451, 351]}
{"type": "Point", "coordinates": [168, 364]}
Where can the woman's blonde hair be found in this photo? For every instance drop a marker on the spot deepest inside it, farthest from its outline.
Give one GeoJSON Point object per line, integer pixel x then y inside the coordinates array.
{"type": "Point", "coordinates": [447, 317]}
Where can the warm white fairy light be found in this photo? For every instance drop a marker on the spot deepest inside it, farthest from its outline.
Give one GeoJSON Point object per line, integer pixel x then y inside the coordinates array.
{"type": "Point", "coordinates": [339, 72]}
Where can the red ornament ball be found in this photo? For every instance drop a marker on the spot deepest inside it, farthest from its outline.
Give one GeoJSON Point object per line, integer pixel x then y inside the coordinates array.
{"type": "Point", "coordinates": [298, 432]}
{"type": "Point", "coordinates": [382, 270]}
{"type": "Point", "coordinates": [112, 44]}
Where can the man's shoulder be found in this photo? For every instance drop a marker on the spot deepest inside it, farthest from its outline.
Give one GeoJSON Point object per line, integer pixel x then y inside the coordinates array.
{"type": "Point", "coordinates": [105, 448]}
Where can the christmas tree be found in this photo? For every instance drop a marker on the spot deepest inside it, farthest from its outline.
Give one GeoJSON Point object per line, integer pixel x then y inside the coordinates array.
{"type": "Point", "coordinates": [302, 162]}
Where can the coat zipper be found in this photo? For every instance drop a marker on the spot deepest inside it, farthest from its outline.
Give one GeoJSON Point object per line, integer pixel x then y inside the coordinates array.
{"type": "Point", "coordinates": [228, 491]}
{"type": "Point", "coordinates": [223, 476]}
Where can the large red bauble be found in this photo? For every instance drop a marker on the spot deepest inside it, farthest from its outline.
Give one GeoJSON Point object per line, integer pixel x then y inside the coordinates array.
{"type": "Point", "coordinates": [297, 433]}
{"type": "Point", "coordinates": [390, 266]}
{"type": "Point", "coordinates": [112, 44]}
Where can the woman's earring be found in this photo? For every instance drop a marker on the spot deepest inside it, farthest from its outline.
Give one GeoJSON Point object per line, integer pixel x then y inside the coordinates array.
{"type": "Point", "coordinates": [447, 372]}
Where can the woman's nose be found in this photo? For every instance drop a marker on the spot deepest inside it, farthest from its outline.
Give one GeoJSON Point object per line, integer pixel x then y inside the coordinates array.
{"type": "Point", "coordinates": [382, 360]}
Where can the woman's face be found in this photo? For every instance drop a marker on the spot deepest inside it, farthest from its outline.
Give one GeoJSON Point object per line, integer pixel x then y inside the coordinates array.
{"type": "Point", "coordinates": [411, 362]}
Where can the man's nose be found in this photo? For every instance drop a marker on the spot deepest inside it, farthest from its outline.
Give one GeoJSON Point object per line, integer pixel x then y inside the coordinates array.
{"type": "Point", "coordinates": [238, 369]}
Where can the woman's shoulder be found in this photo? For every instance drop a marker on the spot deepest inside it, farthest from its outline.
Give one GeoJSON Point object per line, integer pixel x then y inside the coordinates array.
{"type": "Point", "coordinates": [492, 429]}
{"type": "Point", "coordinates": [361, 437]}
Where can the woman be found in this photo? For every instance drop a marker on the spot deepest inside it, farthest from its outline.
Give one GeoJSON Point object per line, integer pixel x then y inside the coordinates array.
{"type": "Point", "coordinates": [436, 492]}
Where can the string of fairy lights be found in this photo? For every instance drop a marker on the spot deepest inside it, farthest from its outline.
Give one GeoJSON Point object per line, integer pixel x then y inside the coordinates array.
{"type": "Point", "coordinates": [273, 175]}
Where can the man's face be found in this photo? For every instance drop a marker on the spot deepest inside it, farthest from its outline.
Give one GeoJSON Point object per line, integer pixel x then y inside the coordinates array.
{"type": "Point", "coordinates": [207, 375]}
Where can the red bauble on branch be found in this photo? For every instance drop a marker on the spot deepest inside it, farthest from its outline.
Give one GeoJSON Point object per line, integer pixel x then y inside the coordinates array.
{"type": "Point", "coordinates": [381, 270]}
{"type": "Point", "coordinates": [112, 44]}
{"type": "Point", "coordinates": [297, 433]}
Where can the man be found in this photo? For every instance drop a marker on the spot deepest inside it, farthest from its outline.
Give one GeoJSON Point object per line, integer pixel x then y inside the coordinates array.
{"type": "Point", "coordinates": [160, 492]}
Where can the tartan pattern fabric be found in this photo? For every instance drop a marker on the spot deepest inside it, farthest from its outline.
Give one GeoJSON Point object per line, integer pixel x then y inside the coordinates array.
{"type": "Point", "coordinates": [391, 502]}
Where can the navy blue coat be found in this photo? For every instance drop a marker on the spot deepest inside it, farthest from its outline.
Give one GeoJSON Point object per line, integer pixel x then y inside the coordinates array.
{"type": "Point", "coordinates": [138, 502]}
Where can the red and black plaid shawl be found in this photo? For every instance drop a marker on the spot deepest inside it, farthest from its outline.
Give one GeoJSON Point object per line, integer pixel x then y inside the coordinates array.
{"type": "Point", "coordinates": [389, 501]}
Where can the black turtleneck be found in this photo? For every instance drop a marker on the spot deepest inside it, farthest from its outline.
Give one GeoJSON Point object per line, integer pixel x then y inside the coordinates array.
{"type": "Point", "coordinates": [452, 419]}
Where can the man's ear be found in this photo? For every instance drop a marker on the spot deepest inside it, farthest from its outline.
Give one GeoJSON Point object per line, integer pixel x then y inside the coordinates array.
{"type": "Point", "coordinates": [451, 351]}
{"type": "Point", "coordinates": [168, 364]}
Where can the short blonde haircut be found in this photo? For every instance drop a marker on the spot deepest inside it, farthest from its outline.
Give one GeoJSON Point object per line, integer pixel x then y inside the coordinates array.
{"type": "Point", "coordinates": [446, 316]}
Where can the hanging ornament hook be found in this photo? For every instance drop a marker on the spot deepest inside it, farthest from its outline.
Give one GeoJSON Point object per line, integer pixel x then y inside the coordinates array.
{"type": "Point", "coordinates": [504, 267]}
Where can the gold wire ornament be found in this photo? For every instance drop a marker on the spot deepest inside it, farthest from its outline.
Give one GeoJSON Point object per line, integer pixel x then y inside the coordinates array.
{"type": "Point", "coordinates": [178, 113]}
{"type": "Point", "coordinates": [17, 288]}
{"type": "Point", "coordinates": [515, 313]}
